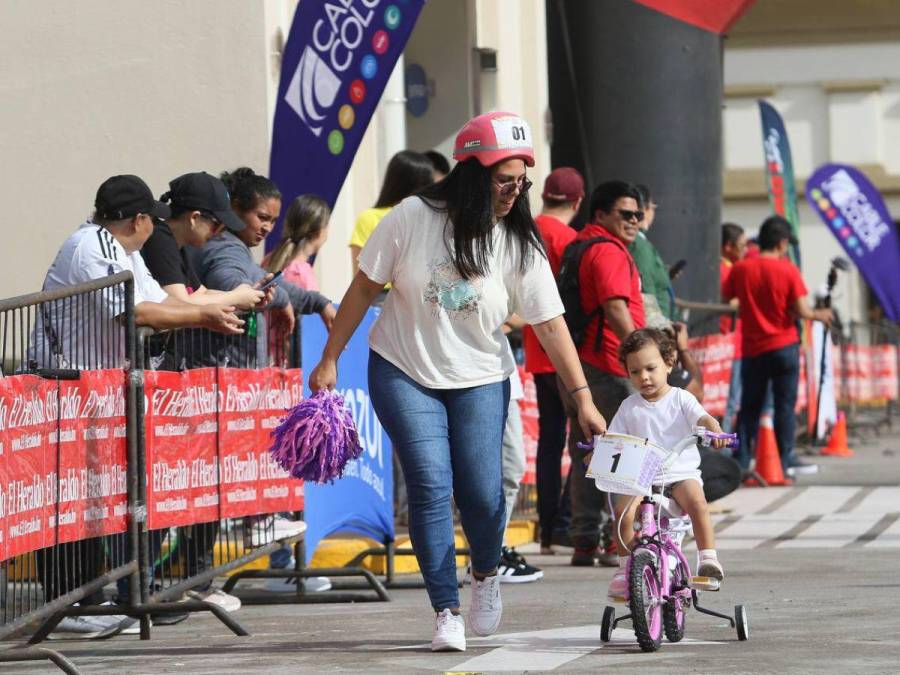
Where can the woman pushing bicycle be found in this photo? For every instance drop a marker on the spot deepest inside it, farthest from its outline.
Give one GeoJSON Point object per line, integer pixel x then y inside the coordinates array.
{"type": "Point", "coordinates": [461, 255]}
{"type": "Point", "coordinates": [664, 415]}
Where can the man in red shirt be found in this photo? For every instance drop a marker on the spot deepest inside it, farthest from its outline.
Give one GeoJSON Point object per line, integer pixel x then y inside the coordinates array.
{"type": "Point", "coordinates": [608, 281]}
{"type": "Point", "coordinates": [563, 192]}
{"type": "Point", "coordinates": [771, 297]}
{"type": "Point", "coordinates": [734, 247]}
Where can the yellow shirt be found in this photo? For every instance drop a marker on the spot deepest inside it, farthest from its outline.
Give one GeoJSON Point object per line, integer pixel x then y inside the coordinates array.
{"type": "Point", "coordinates": [365, 225]}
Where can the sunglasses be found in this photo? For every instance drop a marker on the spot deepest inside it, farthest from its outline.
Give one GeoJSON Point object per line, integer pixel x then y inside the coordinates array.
{"type": "Point", "coordinates": [631, 215]}
{"type": "Point", "coordinates": [507, 188]}
{"type": "Point", "coordinates": [216, 223]}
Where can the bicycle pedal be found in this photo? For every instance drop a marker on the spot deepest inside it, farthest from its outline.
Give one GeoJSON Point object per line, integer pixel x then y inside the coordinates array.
{"type": "Point", "coordinates": [705, 584]}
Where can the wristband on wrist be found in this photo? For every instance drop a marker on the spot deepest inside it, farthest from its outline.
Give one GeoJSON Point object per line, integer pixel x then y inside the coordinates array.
{"type": "Point", "coordinates": [574, 391]}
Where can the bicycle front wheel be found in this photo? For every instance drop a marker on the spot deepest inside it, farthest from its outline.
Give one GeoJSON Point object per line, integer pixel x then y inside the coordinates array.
{"type": "Point", "coordinates": [646, 601]}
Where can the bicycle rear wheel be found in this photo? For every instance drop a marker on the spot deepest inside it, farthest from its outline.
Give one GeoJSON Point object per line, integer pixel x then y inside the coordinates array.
{"type": "Point", "coordinates": [646, 601]}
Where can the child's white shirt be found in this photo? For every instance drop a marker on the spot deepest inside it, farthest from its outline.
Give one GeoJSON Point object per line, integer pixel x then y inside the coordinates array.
{"type": "Point", "coordinates": [664, 422]}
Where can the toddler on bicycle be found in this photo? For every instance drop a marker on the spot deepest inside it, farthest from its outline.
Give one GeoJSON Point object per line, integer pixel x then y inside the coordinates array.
{"type": "Point", "coordinates": [664, 415]}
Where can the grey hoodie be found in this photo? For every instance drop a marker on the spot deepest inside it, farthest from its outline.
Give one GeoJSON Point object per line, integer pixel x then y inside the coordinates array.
{"type": "Point", "coordinates": [223, 264]}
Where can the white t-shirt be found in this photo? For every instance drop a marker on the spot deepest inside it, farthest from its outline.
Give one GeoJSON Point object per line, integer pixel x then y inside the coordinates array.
{"type": "Point", "coordinates": [70, 334]}
{"type": "Point", "coordinates": [443, 331]}
{"type": "Point", "coordinates": [664, 422]}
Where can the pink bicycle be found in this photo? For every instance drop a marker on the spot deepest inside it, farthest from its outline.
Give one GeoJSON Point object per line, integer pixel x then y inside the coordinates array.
{"type": "Point", "coordinates": [661, 587]}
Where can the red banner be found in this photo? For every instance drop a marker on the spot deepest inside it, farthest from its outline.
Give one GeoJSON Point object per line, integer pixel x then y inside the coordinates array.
{"type": "Point", "coordinates": [866, 373]}
{"type": "Point", "coordinates": [182, 466]}
{"type": "Point", "coordinates": [715, 356]}
{"type": "Point", "coordinates": [91, 489]}
{"type": "Point", "coordinates": [28, 407]}
{"type": "Point", "coordinates": [253, 404]}
{"type": "Point", "coordinates": [208, 444]}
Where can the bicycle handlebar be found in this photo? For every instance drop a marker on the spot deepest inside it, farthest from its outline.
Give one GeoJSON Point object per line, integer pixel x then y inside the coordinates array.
{"type": "Point", "coordinates": [700, 433]}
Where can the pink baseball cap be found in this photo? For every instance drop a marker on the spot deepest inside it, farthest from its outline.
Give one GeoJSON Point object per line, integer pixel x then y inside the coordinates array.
{"type": "Point", "coordinates": [494, 137]}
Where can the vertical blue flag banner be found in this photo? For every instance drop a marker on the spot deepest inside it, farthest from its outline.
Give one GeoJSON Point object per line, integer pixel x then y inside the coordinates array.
{"type": "Point", "coordinates": [855, 213]}
{"type": "Point", "coordinates": [362, 501]}
{"type": "Point", "coordinates": [780, 171]}
{"type": "Point", "coordinates": [337, 61]}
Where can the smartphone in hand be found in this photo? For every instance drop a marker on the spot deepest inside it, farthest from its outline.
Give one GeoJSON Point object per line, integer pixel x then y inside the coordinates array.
{"type": "Point", "coordinates": [271, 281]}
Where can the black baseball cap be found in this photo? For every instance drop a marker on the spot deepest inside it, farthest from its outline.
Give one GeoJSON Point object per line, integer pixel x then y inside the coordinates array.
{"type": "Point", "coordinates": [202, 192]}
{"type": "Point", "coordinates": [126, 196]}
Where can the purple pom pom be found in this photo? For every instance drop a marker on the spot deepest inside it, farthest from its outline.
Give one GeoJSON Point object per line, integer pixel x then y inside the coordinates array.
{"type": "Point", "coordinates": [317, 438]}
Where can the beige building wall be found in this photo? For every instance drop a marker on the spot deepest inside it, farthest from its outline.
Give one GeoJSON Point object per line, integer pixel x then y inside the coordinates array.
{"type": "Point", "coordinates": [94, 88]}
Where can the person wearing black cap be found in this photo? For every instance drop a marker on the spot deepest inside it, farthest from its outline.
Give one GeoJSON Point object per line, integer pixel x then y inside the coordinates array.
{"type": "Point", "coordinates": [771, 297]}
{"type": "Point", "coordinates": [70, 337]}
{"type": "Point", "coordinates": [201, 208]}
{"type": "Point", "coordinates": [106, 244]}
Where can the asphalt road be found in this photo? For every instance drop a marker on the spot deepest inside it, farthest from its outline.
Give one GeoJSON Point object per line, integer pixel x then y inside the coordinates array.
{"type": "Point", "coordinates": [816, 566]}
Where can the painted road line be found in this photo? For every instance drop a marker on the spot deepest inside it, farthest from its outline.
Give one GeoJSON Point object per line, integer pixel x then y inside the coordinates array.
{"type": "Point", "coordinates": [824, 499]}
{"type": "Point", "coordinates": [856, 499]}
{"type": "Point", "coordinates": [545, 650]}
{"type": "Point", "coordinates": [883, 534]}
{"type": "Point", "coordinates": [751, 531]}
{"type": "Point", "coordinates": [750, 500]}
{"type": "Point", "coordinates": [792, 532]}
{"type": "Point", "coordinates": [832, 531]}
{"type": "Point", "coordinates": [782, 501]}
{"type": "Point", "coordinates": [879, 501]}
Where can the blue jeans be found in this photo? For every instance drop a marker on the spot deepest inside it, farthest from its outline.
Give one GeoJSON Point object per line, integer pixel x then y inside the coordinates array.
{"type": "Point", "coordinates": [449, 445]}
{"type": "Point", "coordinates": [779, 368]}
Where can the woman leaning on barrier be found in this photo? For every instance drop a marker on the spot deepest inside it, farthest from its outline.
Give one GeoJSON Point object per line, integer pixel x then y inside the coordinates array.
{"type": "Point", "coordinates": [461, 256]}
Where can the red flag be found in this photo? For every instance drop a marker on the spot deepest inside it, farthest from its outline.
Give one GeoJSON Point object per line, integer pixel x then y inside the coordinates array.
{"type": "Point", "coordinates": [716, 16]}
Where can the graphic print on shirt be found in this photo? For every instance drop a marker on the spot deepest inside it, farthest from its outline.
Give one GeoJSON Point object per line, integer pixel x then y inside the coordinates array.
{"type": "Point", "coordinates": [447, 290]}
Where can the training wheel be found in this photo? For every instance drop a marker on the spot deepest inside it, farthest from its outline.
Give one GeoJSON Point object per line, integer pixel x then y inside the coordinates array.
{"type": "Point", "coordinates": [741, 622]}
{"type": "Point", "coordinates": [606, 628]}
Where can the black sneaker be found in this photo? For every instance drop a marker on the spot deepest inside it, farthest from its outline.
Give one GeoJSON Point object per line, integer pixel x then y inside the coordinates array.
{"type": "Point", "coordinates": [514, 570]}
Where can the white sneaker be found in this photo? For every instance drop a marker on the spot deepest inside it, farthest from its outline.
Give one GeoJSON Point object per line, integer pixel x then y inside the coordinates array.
{"type": "Point", "coordinates": [487, 607]}
{"type": "Point", "coordinates": [86, 627]}
{"type": "Point", "coordinates": [289, 584]}
{"type": "Point", "coordinates": [449, 632]}
{"type": "Point", "coordinates": [270, 529]}
{"type": "Point", "coordinates": [218, 597]}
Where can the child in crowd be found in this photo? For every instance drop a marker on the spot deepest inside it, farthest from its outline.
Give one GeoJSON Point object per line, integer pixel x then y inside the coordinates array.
{"type": "Point", "coordinates": [305, 232]}
{"type": "Point", "coordinates": [664, 415]}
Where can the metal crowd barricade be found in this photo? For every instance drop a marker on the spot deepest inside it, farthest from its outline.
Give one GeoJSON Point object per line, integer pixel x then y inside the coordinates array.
{"type": "Point", "coordinates": [47, 341]}
{"type": "Point", "coordinates": [867, 374]}
{"type": "Point", "coordinates": [190, 556]}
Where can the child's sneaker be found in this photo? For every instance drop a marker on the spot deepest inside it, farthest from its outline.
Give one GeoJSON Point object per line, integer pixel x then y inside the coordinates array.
{"type": "Point", "coordinates": [449, 632]}
{"type": "Point", "coordinates": [710, 567]}
{"type": "Point", "coordinates": [618, 587]}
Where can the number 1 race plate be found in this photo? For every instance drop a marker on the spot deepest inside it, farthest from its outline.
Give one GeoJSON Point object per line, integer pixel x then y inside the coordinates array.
{"type": "Point", "coordinates": [625, 464]}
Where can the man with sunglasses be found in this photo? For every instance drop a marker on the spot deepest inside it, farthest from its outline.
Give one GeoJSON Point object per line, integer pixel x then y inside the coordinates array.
{"type": "Point", "coordinates": [610, 289]}
{"type": "Point", "coordinates": [201, 208]}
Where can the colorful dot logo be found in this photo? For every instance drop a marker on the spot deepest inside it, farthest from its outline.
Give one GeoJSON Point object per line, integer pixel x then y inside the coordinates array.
{"type": "Point", "coordinates": [346, 116]}
{"type": "Point", "coordinates": [357, 91]}
{"type": "Point", "coordinates": [838, 222]}
{"type": "Point", "coordinates": [816, 193]}
{"type": "Point", "coordinates": [392, 16]}
{"type": "Point", "coordinates": [831, 213]}
{"type": "Point", "coordinates": [824, 204]}
{"type": "Point", "coordinates": [845, 232]}
{"type": "Point", "coordinates": [368, 66]}
{"type": "Point", "coordinates": [336, 142]}
{"type": "Point", "coordinates": [380, 42]}
{"type": "Point", "coordinates": [853, 241]}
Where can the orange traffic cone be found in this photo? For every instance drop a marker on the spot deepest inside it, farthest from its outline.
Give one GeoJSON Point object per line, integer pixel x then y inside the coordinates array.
{"type": "Point", "coordinates": [768, 461]}
{"type": "Point", "coordinates": [837, 441]}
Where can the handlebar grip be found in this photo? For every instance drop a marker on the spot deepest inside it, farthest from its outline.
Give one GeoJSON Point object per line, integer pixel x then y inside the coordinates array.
{"type": "Point", "coordinates": [585, 446]}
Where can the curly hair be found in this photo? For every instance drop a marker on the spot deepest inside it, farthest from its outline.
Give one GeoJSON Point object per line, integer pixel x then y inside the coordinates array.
{"type": "Point", "coordinates": [649, 336]}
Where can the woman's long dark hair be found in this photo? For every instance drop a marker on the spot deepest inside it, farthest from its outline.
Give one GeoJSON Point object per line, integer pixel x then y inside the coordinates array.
{"type": "Point", "coordinates": [407, 173]}
{"type": "Point", "coordinates": [465, 195]}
